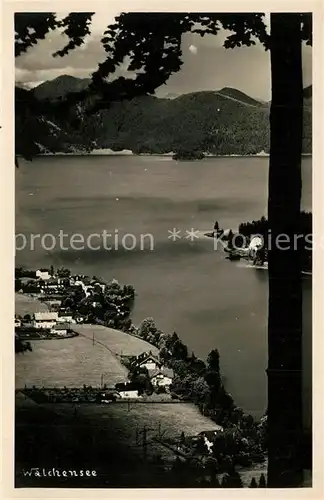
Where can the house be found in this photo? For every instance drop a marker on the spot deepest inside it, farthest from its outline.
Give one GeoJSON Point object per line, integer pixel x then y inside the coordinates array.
{"type": "Point", "coordinates": [61, 330]}
{"type": "Point", "coordinates": [65, 318]}
{"type": "Point", "coordinates": [95, 284]}
{"type": "Point", "coordinates": [54, 304]}
{"type": "Point", "coordinates": [161, 377]}
{"type": "Point", "coordinates": [127, 390]}
{"type": "Point", "coordinates": [86, 280]}
{"type": "Point", "coordinates": [64, 281]}
{"type": "Point", "coordinates": [256, 243]}
{"type": "Point", "coordinates": [45, 319]}
{"type": "Point", "coordinates": [85, 285]}
{"type": "Point", "coordinates": [148, 360]}
{"type": "Point", "coordinates": [43, 274]}
{"type": "Point", "coordinates": [52, 285]}
{"type": "Point", "coordinates": [211, 435]}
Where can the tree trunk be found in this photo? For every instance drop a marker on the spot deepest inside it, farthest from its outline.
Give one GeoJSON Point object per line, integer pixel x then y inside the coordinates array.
{"type": "Point", "coordinates": [285, 292]}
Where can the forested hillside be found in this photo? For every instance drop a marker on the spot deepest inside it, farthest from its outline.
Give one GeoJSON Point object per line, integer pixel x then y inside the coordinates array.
{"type": "Point", "coordinates": [220, 122]}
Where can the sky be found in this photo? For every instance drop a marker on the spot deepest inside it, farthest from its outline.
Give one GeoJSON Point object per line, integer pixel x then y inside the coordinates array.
{"type": "Point", "coordinates": [207, 64]}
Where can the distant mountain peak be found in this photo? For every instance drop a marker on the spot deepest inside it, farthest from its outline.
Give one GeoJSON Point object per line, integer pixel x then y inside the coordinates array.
{"type": "Point", "coordinates": [66, 78]}
{"type": "Point", "coordinates": [60, 86]}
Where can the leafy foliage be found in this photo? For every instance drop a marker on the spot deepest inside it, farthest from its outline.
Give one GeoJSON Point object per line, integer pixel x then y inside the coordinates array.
{"type": "Point", "coordinates": [243, 440]}
{"type": "Point", "coordinates": [21, 346]}
{"type": "Point", "coordinates": [76, 27]}
{"type": "Point", "coordinates": [30, 27]}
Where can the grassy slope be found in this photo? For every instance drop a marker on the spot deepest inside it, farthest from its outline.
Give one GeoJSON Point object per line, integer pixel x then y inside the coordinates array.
{"type": "Point", "coordinates": [116, 341]}
{"type": "Point", "coordinates": [75, 361]}
{"type": "Point", "coordinates": [99, 437]}
{"type": "Point", "coordinates": [28, 305]}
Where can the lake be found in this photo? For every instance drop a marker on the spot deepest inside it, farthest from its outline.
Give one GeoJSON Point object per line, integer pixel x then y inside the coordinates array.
{"type": "Point", "coordinates": [186, 286]}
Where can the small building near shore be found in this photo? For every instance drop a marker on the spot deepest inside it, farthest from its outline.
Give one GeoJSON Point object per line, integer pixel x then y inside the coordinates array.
{"type": "Point", "coordinates": [43, 274]}
{"type": "Point", "coordinates": [256, 243]}
{"type": "Point", "coordinates": [45, 319]}
{"type": "Point", "coordinates": [127, 390]}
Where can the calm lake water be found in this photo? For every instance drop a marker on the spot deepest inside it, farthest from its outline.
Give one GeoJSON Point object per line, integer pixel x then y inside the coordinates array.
{"type": "Point", "coordinates": [187, 287]}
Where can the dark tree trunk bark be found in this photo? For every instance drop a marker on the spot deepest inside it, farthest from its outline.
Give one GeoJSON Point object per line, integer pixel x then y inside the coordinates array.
{"type": "Point", "coordinates": [285, 292]}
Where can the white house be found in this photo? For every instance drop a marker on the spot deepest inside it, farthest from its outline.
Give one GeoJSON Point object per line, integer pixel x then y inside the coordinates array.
{"type": "Point", "coordinates": [45, 319]}
{"type": "Point", "coordinates": [148, 360]}
{"type": "Point", "coordinates": [128, 393]}
{"type": "Point", "coordinates": [256, 244]}
{"type": "Point", "coordinates": [162, 377]}
{"type": "Point", "coordinates": [59, 331]}
{"type": "Point", "coordinates": [65, 318]}
{"type": "Point", "coordinates": [51, 285]}
{"type": "Point", "coordinates": [86, 288]}
{"type": "Point", "coordinates": [127, 390]}
{"type": "Point", "coordinates": [43, 274]}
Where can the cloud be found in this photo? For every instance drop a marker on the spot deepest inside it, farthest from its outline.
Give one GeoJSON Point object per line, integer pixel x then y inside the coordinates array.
{"type": "Point", "coordinates": [38, 62]}
{"type": "Point", "coordinates": [213, 67]}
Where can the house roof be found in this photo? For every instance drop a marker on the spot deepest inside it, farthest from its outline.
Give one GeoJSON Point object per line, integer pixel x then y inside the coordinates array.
{"type": "Point", "coordinates": [145, 356]}
{"type": "Point", "coordinates": [43, 270]}
{"type": "Point", "coordinates": [167, 372]}
{"type": "Point", "coordinates": [45, 316]}
{"type": "Point", "coordinates": [211, 434]}
{"type": "Point", "coordinates": [128, 386]}
{"type": "Point", "coordinates": [62, 326]}
{"type": "Point", "coordinates": [52, 281]}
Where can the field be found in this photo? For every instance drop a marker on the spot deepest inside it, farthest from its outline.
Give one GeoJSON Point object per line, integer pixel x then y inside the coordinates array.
{"type": "Point", "coordinates": [72, 362]}
{"type": "Point", "coordinates": [108, 438]}
{"type": "Point", "coordinates": [91, 358]}
{"type": "Point", "coordinates": [124, 418]}
{"type": "Point", "coordinates": [105, 437]}
{"type": "Point", "coordinates": [116, 341]}
{"type": "Point", "coordinates": [68, 362]}
{"type": "Point", "coordinates": [25, 304]}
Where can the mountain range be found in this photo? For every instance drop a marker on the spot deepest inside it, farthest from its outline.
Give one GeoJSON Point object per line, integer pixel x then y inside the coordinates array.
{"type": "Point", "coordinates": [222, 122]}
